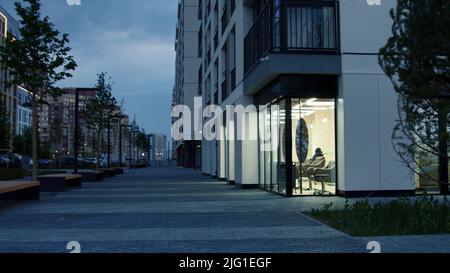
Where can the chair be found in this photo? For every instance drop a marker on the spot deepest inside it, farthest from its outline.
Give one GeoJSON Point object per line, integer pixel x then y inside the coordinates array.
{"type": "Point", "coordinates": [317, 163]}
{"type": "Point", "coordinates": [325, 175]}
{"type": "Point", "coordinates": [306, 169]}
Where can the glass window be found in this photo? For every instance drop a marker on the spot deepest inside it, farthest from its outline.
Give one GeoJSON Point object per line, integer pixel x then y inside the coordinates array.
{"type": "Point", "coordinates": [261, 131]}
{"type": "Point", "coordinates": [282, 164]}
{"type": "Point", "coordinates": [275, 140]}
{"type": "Point", "coordinates": [313, 147]}
{"type": "Point", "coordinates": [267, 153]}
{"type": "Point", "coordinates": [310, 27]}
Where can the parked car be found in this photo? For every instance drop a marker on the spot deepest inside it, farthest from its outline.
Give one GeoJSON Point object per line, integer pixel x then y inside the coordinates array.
{"type": "Point", "coordinates": [92, 161]}
{"type": "Point", "coordinates": [13, 160]}
{"type": "Point", "coordinates": [4, 159]}
{"type": "Point", "coordinates": [44, 163]}
{"type": "Point", "coordinates": [67, 160]}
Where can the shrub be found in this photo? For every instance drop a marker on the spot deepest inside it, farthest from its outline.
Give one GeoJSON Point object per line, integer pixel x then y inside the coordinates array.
{"type": "Point", "coordinates": [9, 174]}
{"type": "Point", "coordinates": [401, 217]}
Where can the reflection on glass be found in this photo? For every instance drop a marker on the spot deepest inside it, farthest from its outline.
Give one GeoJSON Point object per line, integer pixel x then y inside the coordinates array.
{"type": "Point", "coordinates": [261, 128]}
{"type": "Point", "coordinates": [314, 152]}
{"type": "Point", "coordinates": [427, 183]}
{"type": "Point", "coordinates": [272, 161]}
{"type": "Point", "coordinates": [274, 120]}
{"type": "Point", "coordinates": [282, 148]}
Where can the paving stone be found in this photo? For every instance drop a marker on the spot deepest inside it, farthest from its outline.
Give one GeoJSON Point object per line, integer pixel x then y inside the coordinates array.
{"type": "Point", "coordinates": [168, 210]}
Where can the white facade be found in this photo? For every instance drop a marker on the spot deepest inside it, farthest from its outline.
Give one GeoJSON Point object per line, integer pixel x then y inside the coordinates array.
{"type": "Point", "coordinates": [365, 101]}
{"type": "Point", "coordinates": [187, 79]}
{"type": "Point", "coordinates": [187, 60]}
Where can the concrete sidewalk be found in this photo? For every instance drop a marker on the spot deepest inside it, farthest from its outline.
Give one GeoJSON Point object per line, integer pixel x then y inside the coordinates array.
{"type": "Point", "coordinates": [167, 210]}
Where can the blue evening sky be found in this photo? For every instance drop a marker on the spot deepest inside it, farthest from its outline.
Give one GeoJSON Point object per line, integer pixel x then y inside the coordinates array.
{"type": "Point", "coordinates": [132, 40]}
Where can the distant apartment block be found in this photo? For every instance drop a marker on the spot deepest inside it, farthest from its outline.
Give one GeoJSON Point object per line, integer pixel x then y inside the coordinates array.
{"type": "Point", "coordinates": [57, 126]}
{"type": "Point", "coordinates": [158, 148]}
{"type": "Point", "coordinates": [187, 67]}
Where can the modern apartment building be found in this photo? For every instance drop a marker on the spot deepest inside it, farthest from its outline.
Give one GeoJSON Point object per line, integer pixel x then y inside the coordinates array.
{"type": "Point", "coordinates": [188, 152]}
{"type": "Point", "coordinates": [57, 121]}
{"type": "Point", "coordinates": [158, 148]}
{"type": "Point", "coordinates": [24, 110]}
{"type": "Point", "coordinates": [313, 68]}
{"type": "Point", "coordinates": [8, 94]}
{"type": "Point", "coordinates": [57, 126]}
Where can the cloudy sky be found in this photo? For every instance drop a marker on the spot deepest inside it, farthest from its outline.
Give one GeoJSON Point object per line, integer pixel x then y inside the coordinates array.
{"type": "Point", "coordinates": [132, 40]}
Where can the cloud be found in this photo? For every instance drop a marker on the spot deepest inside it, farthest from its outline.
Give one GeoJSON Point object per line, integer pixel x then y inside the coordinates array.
{"type": "Point", "coordinates": [133, 41]}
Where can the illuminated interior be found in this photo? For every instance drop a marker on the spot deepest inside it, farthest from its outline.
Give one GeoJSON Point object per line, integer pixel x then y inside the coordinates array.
{"type": "Point", "coordinates": [312, 127]}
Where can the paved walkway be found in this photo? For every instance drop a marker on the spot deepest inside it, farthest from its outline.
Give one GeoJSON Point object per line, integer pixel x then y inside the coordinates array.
{"type": "Point", "coordinates": [167, 210]}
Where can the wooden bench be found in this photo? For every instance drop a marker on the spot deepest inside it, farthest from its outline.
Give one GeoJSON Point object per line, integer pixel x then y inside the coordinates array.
{"type": "Point", "coordinates": [119, 170]}
{"type": "Point", "coordinates": [111, 172]}
{"type": "Point", "coordinates": [19, 190]}
{"type": "Point", "coordinates": [91, 176]}
{"type": "Point", "coordinates": [59, 182]}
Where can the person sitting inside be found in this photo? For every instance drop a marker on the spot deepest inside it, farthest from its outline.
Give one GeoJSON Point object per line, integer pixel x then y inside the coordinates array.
{"type": "Point", "coordinates": [317, 161]}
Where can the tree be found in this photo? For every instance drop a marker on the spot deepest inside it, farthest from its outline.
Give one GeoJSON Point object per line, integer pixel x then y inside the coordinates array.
{"type": "Point", "coordinates": [22, 143]}
{"type": "Point", "coordinates": [98, 111]}
{"type": "Point", "coordinates": [4, 127]}
{"type": "Point", "coordinates": [142, 141]}
{"type": "Point", "coordinates": [416, 59]}
{"type": "Point", "coordinates": [18, 144]}
{"type": "Point", "coordinates": [45, 150]}
{"type": "Point", "coordinates": [38, 58]}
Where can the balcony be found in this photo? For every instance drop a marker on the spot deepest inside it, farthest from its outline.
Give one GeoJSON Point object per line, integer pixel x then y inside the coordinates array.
{"type": "Point", "coordinates": [288, 26]}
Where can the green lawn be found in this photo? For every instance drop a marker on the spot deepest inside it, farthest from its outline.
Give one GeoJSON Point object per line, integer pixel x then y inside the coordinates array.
{"type": "Point", "coordinates": [401, 217]}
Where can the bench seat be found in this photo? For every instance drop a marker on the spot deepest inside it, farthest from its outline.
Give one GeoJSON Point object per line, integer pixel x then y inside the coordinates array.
{"type": "Point", "coordinates": [92, 176]}
{"type": "Point", "coordinates": [19, 190]}
{"type": "Point", "coordinates": [111, 172]}
{"type": "Point", "coordinates": [59, 182]}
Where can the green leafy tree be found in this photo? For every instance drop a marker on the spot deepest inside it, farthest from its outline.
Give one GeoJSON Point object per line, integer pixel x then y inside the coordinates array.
{"type": "Point", "coordinates": [142, 142]}
{"type": "Point", "coordinates": [19, 144]}
{"type": "Point", "coordinates": [98, 112]}
{"type": "Point", "coordinates": [4, 127]}
{"type": "Point", "coordinates": [416, 59]}
{"type": "Point", "coordinates": [45, 150]}
{"type": "Point", "coordinates": [22, 143]}
{"type": "Point", "coordinates": [38, 58]}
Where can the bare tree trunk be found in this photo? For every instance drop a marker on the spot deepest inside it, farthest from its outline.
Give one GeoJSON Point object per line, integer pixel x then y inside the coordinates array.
{"type": "Point", "coordinates": [35, 137]}
{"type": "Point", "coordinates": [443, 153]}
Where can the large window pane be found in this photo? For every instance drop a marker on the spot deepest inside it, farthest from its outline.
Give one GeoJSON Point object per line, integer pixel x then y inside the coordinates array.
{"type": "Point", "coordinates": [267, 153]}
{"type": "Point", "coordinates": [275, 140]}
{"type": "Point", "coordinates": [314, 148]}
{"type": "Point", "coordinates": [282, 164]}
{"type": "Point", "coordinates": [261, 117]}
{"type": "Point", "coordinates": [310, 27]}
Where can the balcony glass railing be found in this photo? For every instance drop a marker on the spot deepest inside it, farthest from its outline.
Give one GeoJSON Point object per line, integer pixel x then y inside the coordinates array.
{"type": "Point", "coordinates": [293, 26]}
